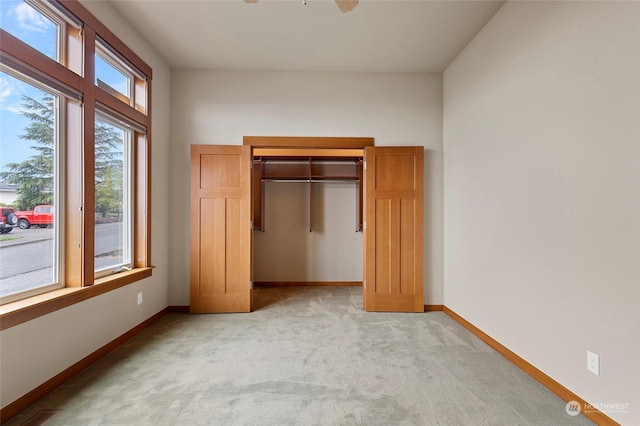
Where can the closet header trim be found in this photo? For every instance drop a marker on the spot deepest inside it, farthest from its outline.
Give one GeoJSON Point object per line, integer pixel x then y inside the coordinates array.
{"type": "Point", "coordinates": [307, 152]}
{"type": "Point", "coordinates": [307, 142]}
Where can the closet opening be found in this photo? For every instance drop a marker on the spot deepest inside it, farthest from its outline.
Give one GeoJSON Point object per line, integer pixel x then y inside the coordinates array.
{"type": "Point", "coordinates": [307, 216]}
{"type": "Point", "coordinates": [308, 235]}
{"type": "Point", "coordinates": [306, 211]}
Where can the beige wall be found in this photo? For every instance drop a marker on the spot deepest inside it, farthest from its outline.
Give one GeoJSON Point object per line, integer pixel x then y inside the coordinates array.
{"type": "Point", "coordinates": [542, 195]}
{"type": "Point", "coordinates": [324, 254]}
{"type": "Point", "coordinates": [34, 352]}
{"type": "Point", "coordinates": [210, 107]}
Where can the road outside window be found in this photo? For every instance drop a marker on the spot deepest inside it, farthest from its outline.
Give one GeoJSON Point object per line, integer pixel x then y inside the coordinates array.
{"type": "Point", "coordinates": [28, 168]}
{"type": "Point", "coordinates": [113, 198]}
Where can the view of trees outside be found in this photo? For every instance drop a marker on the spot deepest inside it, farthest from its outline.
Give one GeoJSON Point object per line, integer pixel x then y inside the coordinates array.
{"type": "Point", "coordinates": [27, 113]}
{"type": "Point", "coordinates": [34, 177]}
{"type": "Point", "coordinates": [109, 146]}
{"type": "Point", "coordinates": [27, 256]}
{"type": "Point", "coordinates": [110, 195]}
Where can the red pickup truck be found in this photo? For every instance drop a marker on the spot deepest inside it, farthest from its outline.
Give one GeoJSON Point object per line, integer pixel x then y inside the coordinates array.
{"type": "Point", "coordinates": [41, 216]}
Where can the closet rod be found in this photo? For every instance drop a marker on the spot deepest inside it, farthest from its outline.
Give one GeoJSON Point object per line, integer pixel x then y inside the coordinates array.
{"type": "Point", "coordinates": [312, 180]}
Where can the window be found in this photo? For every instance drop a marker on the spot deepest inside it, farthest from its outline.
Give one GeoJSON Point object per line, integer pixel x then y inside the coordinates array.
{"type": "Point", "coordinates": [111, 76]}
{"type": "Point", "coordinates": [30, 145]}
{"type": "Point", "coordinates": [113, 198]}
{"type": "Point", "coordinates": [75, 144]}
{"type": "Point", "coordinates": [32, 25]}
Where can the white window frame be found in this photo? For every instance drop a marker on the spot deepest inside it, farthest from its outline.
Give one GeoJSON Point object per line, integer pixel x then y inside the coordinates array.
{"type": "Point", "coordinates": [127, 197]}
{"type": "Point", "coordinates": [58, 185]}
{"type": "Point", "coordinates": [111, 59]}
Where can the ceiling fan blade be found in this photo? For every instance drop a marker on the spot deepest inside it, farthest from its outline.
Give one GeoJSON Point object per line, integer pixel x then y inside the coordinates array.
{"type": "Point", "coordinates": [346, 5]}
{"type": "Point", "coordinates": [251, 1]}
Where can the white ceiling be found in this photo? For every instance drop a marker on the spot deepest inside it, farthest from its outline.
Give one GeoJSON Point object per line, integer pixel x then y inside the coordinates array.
{"type": "Point", "coordinates": [286, 35]}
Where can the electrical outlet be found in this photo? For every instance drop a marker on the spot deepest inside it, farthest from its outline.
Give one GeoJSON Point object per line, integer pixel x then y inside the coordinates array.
{"type": "Point", "coordinates": [593, 363]}
{"type": "Point", "coordinates": [140, 298]}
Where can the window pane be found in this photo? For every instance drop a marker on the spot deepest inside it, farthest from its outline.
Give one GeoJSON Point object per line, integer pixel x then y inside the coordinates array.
{"type": "Point", "coordinates": [112, 79]}
{"type": "Point", "coordinates": [113, 224]}
{"type": "Point", "coordinates": [29, 25]}
{"type": "Point", "coordinates": [28, 148]}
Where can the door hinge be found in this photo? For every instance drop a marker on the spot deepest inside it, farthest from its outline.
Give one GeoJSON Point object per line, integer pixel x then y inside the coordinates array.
{"type": "Point", "coordinates": [364, 165]}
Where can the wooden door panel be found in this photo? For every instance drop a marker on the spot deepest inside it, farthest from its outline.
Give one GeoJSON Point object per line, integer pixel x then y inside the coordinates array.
{"type": "Point", "coordinates": [393, 271]}
{"type": "Point", "coordinates": [220, 229]}
{"type": "Point", "coordinates": [407, 247]}
{"type": "Point", "coordinates": [212, 251]}
{"type": "Point", "coordinates": [395, 173]}
{"type": "Point", "coordinates": [220, 171]}
{"type": "Point", "coordinates": [383, 262]}
{"type": "Point", "coordinates": [220, 257]}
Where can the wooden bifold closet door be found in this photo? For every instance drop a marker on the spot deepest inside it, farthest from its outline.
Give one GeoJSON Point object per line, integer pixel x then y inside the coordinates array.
{"type": "Point", "coordinates": [220, 228]}
{"type": "Point", "coordinates": [393, 230]}
{"type": "Point", "coordinates": [221, 231]}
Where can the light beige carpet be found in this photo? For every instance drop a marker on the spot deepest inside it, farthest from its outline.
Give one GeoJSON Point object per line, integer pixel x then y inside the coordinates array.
{"type": "Point", "coordinates": [306, 356]}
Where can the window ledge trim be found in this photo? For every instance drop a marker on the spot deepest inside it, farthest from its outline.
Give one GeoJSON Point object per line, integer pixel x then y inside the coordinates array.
{"type": "Point", "coordinates": [21, 311]}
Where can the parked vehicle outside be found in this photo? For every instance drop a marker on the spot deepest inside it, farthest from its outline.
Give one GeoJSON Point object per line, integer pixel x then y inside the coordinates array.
{"type": "Point", "coordinates": [8, 220]}
{"type": "Point", "coordinates": [41, 216]}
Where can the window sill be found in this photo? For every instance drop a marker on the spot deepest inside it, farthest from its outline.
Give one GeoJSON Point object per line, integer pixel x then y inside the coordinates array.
{"type": "Point", "coordinates": [25, 310]}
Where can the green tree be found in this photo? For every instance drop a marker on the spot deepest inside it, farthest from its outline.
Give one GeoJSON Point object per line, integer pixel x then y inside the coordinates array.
{"type": "Point", "coordinates": [109, 169]}
{"type": "Point", "coordinates": [34, 176]}
{"type": "Point", "coordinates": [109, 192]}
